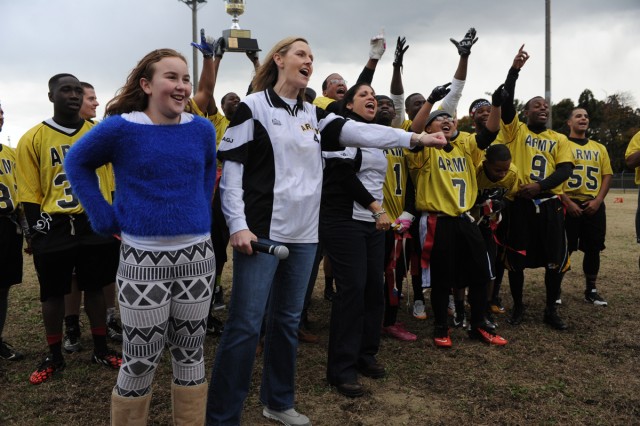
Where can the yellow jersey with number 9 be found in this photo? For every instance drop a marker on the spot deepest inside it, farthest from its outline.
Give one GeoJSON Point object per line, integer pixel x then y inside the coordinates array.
{"type": "Point", "coordinates": [536, 155]}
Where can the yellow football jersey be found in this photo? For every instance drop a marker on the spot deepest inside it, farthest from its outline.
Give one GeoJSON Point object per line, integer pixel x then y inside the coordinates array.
{"type": "Point", "coordinates": [536, 155]}
{"type": "Point", "coordinates": [193, 108]}
{"type": "Point", "coordinates": [508, 184]}
{"type": "Point", "coordinates": [445, 181]}
{"type": "Point", "coordinates": [633, 147]}
{"type": "Point", "coordinates": [322, 102]}
{"type": "Point", "coordinates": [395, 183]}
{"type": "Point", "coordinates": [40, 174]}
{"type": "Point", "coordinates": [220, 123]}
{"type": "Point", "coordinates": [8, 188]}
{"type": "Point", "coordinates": [591, 164]}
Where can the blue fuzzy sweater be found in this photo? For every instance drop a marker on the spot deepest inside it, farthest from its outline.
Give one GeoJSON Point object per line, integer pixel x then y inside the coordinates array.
{"type": "Point", "coordinates": [164, 176]}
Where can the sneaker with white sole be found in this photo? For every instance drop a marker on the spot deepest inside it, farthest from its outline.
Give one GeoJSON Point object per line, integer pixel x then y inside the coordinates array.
{"type": "Point", "coordinates": [418, 310]}
{"type": "Point", "coordinates": [288, 417]}
{"type": "Point", "coordinates": [114, 331]}
{"type": "Point", "coordinates": [595, 298]}
{"type": "Point", "coordinates": [8, 353]}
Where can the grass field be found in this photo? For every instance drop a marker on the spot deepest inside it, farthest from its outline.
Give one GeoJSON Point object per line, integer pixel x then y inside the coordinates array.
{"type": "Point", "coordinates": [589, 374]}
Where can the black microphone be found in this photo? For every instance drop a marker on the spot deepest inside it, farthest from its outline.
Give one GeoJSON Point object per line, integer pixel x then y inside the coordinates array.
{"type": "Point", "coordinates": [281, 252]}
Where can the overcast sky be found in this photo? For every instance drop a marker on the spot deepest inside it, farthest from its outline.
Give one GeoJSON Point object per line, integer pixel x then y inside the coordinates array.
{"type": "Point", "coordinates": [594, 45]}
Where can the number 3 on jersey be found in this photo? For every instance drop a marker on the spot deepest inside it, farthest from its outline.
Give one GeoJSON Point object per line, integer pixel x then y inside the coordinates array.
{"type": "Point", "coordinates": [70, 201]}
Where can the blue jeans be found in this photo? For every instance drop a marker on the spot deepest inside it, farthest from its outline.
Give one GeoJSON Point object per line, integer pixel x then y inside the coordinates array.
{"type": "Point", "coordinates": [261, 285]}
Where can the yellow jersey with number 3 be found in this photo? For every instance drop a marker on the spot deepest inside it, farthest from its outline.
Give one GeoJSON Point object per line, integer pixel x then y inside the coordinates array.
{"type": "Point", "coordinates": [40, 172]}
{"type": "Point", "coordinates": [591, 164]}
{"type": "Point", "coordinates": [8, 195]}
{"type": "Point", "coordinates": [536, 155]}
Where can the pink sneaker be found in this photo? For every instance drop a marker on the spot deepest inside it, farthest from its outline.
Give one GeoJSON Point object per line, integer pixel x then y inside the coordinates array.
{"type": "Point", "coordinates": [397, 331]}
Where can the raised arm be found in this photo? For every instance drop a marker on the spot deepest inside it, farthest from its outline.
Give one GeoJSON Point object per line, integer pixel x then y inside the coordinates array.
{"type": "Point", "coordinates": [211, 54]}
{"type": "Point", "coordinates": [377, 47]}
{"type": "Point", "coordinates": [508, 108]}
{"type": "Point", "coordinates": [397, 89]}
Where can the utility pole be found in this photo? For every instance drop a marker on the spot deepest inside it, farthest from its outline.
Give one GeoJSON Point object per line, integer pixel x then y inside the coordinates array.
{"type": "Point", "coordinates": [547, 66]}
{"type": "Point", "coordinates": [193, 4]}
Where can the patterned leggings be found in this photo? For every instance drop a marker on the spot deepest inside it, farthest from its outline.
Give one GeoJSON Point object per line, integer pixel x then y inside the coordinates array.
{"type": "Point", "coordinates": [164, 298]}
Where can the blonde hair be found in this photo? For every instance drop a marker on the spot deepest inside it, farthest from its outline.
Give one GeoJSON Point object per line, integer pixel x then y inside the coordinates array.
{"type": "Point", "coordinates": [131, 97]}
{"type": "Point", "coordinates": [267, 74]}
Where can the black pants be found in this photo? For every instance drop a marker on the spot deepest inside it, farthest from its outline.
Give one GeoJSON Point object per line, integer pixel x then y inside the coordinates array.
{"type": "Point", "coordinates": [356, 251]}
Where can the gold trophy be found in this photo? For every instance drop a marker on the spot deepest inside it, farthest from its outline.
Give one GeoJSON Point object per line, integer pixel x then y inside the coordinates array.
{"type": "Point", "coordinates": [236, 39]}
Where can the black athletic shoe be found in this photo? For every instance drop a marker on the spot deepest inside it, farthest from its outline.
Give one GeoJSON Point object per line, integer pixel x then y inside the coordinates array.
{"type": "Point", "coordinates": [592, 296]}
{"type": "Point", "coordinates": [114, 331]}
{"type": "Point", "coordinates": [71, 340]}
{"type": "Point", "coordinates": [218, 299]}
{"type": "Point", "coordinates": [516, 315]}
{"type": "Point", "coordinates": [214, 326]}
{"type": "Point", "coordinates": [8, 353]}
{"type": "Point", "coordinates": [552, 318]}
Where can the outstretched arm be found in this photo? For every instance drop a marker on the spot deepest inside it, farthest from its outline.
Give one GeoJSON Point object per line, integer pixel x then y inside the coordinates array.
{"type": "Point", "coordinates": [378, 45]}
{"type": "Point", "coordinates": [508, 108]}
{"type": "Point", "coordinates": [397, 89]}
{"type": "Point", "coordinates": [212, 54]}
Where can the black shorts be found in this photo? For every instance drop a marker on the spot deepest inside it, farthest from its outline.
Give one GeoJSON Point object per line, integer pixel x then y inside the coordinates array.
{"type": "Point", "coordinates": [10, 253]}
{"type": "Point", "coordinates": [459, 256]}
{"type": "Point", "coordinates": [63, 232]}
{"type": "Point", "coordinates": [490, 243]}
{"type": "Point", "coordinates": [95, 266]}
{"type": "Point", "coordinates": [586, 233]}
{"type": "Point", "coordinates": [535, 239]}
{"type": "Point", "coordinates": [219, 232]}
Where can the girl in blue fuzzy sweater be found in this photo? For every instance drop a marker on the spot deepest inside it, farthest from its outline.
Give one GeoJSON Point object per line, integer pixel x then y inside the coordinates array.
{"type": "Point", "coordinates": [164, 162]}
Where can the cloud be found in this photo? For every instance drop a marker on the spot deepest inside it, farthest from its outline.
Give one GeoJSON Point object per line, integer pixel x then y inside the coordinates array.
{"type": "Point", "coordinates": [100, 41]}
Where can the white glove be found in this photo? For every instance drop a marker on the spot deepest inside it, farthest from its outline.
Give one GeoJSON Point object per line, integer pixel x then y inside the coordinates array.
{"type": "Point", "coordinates": [403, 222]}
{"type": "Point", "coordinates": [377, 46]}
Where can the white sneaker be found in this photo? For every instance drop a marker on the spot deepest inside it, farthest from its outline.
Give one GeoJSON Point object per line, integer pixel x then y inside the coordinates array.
{"type": "Point", "coordinates": [289, 417]}
{"type": "Point", "coordinates": [418, 310]}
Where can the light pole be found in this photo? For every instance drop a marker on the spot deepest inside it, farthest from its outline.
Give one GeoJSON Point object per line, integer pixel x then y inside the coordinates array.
{"type": "Point", "coordinates": [193, 4]}
{"type": "Point", "coordinates": [547, 69]}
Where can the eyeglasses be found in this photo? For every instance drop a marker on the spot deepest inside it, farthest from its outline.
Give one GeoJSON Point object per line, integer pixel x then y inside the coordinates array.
{"type": "Point", "coordinates": [443, 118]}
{"type": "Point", "coordinates": [338, 81]}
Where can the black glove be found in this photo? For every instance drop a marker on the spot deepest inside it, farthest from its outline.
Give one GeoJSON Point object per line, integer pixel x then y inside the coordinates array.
{"type": "Point", "coordinates": [438, 93]}
{"type": "Point", "coordinates": [499, 96]}
{"type": "Point", "coordinates": [464, 45]}
{"type": "Point", "coordinates": [400, 49]}
{"type": "Point", "coordinates": [218, 47]}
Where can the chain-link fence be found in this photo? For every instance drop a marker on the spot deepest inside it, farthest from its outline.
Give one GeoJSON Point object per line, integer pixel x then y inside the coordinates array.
{"type": "Point", "coordinates": [624, 181]}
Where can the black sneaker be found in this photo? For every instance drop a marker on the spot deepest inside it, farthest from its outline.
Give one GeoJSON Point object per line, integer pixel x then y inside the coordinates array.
{"type": "Point", "coordinates": [552, 318]}
{"type": "Point", "coordinates": [214, 326]}
{"type": "Point", "coordinates": [594, 297]}
{"type": "Point", "coordinates": [490, 321]}
{"type": "Point", "coordinates": [8, 353]}
{"type": "Point", "coordinates": [459, 320]}
{"type": "Point", "coordinates": [516, 315]}
{"type": "Point", "coordinates": [114, 331]}
{"type": "Point", "coordinates": [218, 299]}
{"type": "Point", "coordinates": [71, 340]}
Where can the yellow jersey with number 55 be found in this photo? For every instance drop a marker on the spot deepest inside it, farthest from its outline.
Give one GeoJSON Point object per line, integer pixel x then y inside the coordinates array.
{"type": "Point", "coordinates": [591, 164]}
{"type": "Point", "coordinates": [536, 155]}
{"type": "Point", "coordinates": [40, 173]}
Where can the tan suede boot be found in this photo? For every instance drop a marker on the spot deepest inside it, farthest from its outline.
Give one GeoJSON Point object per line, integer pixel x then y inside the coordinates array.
{"type": "Point", "coordinates": [189, 404]}
{"type": "Point", "coordinates": [129, 411]}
